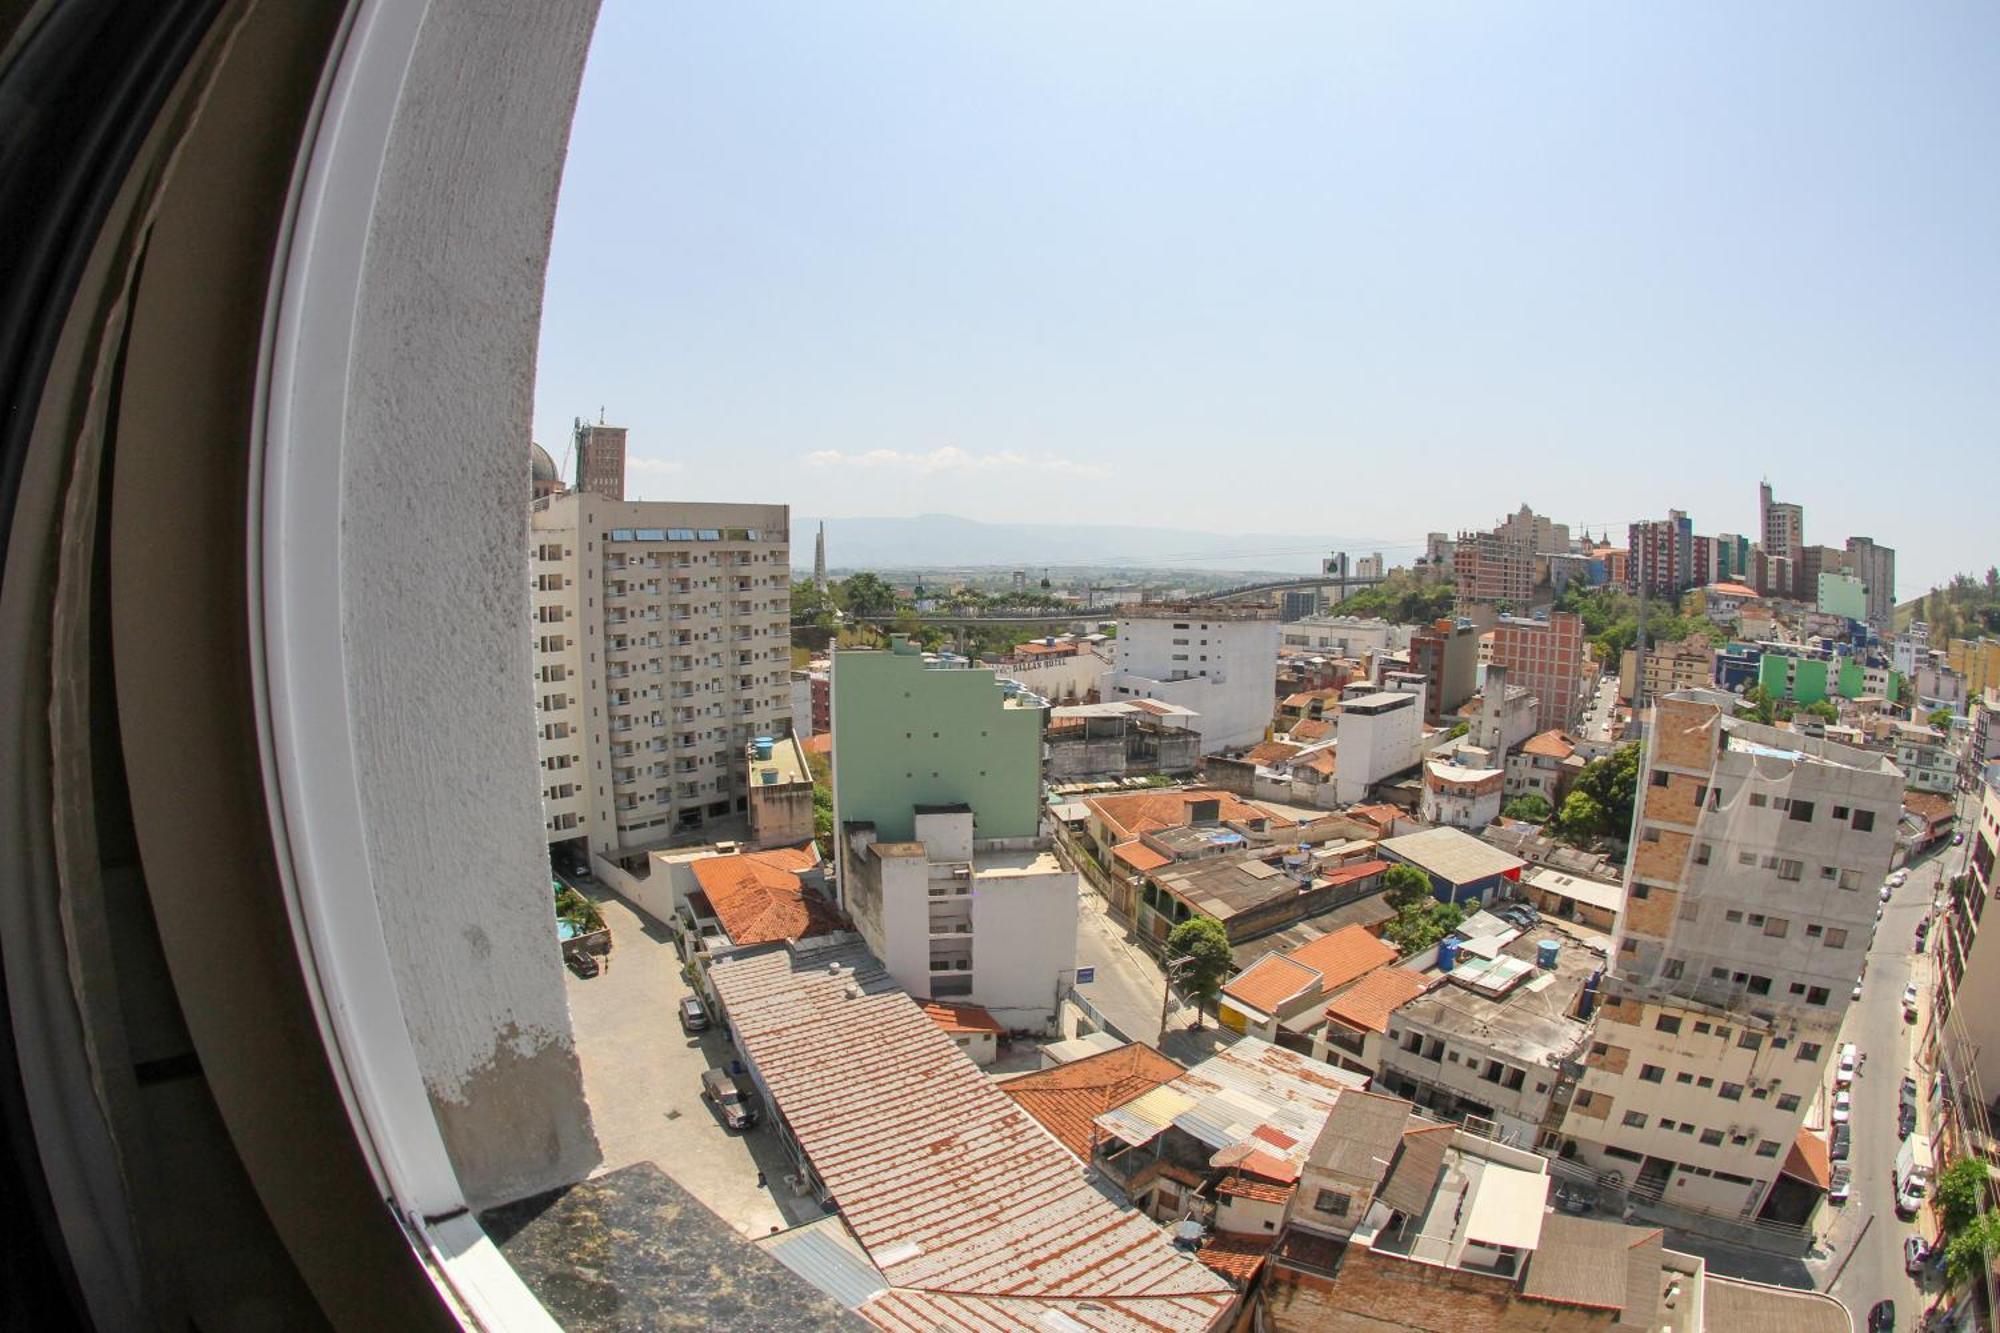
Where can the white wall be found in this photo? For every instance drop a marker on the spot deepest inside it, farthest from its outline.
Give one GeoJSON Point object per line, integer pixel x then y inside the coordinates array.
{"type": "Point", "coordinates": [1023, 939]}
{"type": "Point", "coordinates": [1374, 746]}
{"type": "Point", "coordinates": [904, 943]}
{"type": "Point", "coordinates": [1062, 678]}
{"type": "Point", "coordinates": [1227, 671]}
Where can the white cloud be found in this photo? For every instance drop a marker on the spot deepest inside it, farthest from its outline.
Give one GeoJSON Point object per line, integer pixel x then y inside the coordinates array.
{"type": "Point", "coordinates": [656, 466]}
{"type": "Point", "coordinates": [951, 458]}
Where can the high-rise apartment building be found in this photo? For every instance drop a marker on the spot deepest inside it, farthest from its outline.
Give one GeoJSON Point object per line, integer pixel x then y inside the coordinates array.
{"type": "Point", "coordinates": [1749, 907]}
{"type": "Point", "coordinates": [600, 460]}
{"type": "Point", "coordinates": [1663, 554]}
{"type": "Point", "coordinates": [1500, 566]}
{"type": "Point", "coordinates": [662, 635]}
{"type": "Point", "coordinates": [1545, 657]}
{"type": "Point", "coordinates": [1875, 566]}
{"type": "Point", "coordinates": [937, 779]}
{"type": "Point", "coordinates": [1783, 525]}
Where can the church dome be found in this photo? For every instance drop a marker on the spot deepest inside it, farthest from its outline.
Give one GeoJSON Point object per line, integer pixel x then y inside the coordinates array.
{"type": "Point", "coordinates": [543, 468]}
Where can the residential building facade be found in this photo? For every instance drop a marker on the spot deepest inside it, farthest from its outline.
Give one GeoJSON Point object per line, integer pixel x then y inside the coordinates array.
{"type": "Point", "coordinates": [1219, 661]}
{"type": "Point", "coordinates": [1749, 908]}
{"type": "Point", "coordinates": [600, 459]}
{"type": "Point", "coordinates": [1546, 657]}
{"type": "Point", "coordinates": [1683, 664]}
{"type": "Point", "coordinates": [1446, 655]}
{"type": "Point", "coordinates": [662, 650]}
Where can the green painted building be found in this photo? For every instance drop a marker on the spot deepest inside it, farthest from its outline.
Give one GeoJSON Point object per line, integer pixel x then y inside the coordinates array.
{"type": "Point", "coordinates": [1807, 680]}
{"type": "Point", "coordinates": [906, 734]}
{"type": "Point", "coordinates": [1843, 595]}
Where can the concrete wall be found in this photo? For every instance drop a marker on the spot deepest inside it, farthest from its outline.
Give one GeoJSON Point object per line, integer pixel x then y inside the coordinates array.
{"type": "Point", "coordinates": [909, 736]}
{"type": "Point", "coordinates": [1023, 938]}
{"type": "Point", "coordinates": [434, 480]}
{"type": "Point", "coordinates": [1230, 669]}
{"type": "Point", "coordinates": [1373, 747]}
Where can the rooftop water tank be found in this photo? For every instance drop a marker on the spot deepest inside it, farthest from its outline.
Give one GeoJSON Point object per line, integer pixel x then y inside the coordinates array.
{"type": "Point", "coordinates": [770, 777]}
{"type": "Point", "coordinates": [763, 746]}
{"type": "Point", "coordinates": [1545, 955]}
{"type": "Point", "coordinates": [1448, 953]}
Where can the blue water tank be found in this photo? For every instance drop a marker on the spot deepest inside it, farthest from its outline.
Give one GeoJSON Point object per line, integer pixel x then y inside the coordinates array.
{"type": "Point", "coordinates": [1545, 955]}
{"type": "Point", "coordinates": [1448, 953]}
{"type": "Point", "coordinates": [763, 745]}
{"type": "Point", "coordinates": [770, 777]}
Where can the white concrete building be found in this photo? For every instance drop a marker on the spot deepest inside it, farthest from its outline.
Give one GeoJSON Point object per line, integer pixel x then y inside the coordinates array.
{"type": "Point", "coordinates": [952, 918]}
{"type": "Point", "coordinates": [1380, 735]}
{"type": "Point", "coordinates": [1750, 902]}
{"type": "Point", "coordinates": [1348, 636]}
{"type": "Point", "coordinates": [662, 649]}
{"type": "Point", "coordinates": [1219, 661]}
{"type": "Point", "coordinates": [1465, 793]}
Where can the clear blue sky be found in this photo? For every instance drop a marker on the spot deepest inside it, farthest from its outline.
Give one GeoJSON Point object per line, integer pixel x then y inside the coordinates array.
{"type": "Point", "coordinates": [1329, 268]}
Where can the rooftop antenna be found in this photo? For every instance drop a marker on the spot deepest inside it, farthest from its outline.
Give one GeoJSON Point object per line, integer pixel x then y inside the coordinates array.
{"type": "Point", "coordinates": [600, 414]}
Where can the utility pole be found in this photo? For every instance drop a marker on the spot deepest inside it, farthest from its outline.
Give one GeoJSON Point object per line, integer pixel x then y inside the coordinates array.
{"type": "Point", "coordinates": [1172, 965]}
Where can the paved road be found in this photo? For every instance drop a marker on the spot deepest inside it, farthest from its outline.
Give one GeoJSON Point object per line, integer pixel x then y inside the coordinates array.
{"type": "Point", "coordinates": [1874, 1269]}
{"type": "Point", "coordinates": [1128, 984]}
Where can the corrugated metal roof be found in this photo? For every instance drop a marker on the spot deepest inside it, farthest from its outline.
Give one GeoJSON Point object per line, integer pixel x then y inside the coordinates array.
{"type": "Point", "coordinates": [1249, 1091]}
{"type": "Point", "coordinates": [1138, 1120]}
{"type": "Point", "coordinates": [964, 1202]}
{"type": "Point", "coordinates": [825, 1255]}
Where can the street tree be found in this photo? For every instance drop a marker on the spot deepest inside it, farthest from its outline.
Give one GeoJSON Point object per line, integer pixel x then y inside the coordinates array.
{"type": "Point", "coordinates": [1961, 1188]}
{"type": "Point", "coordinates": [1533, 808]}
{"type": "Point", "coordinates": [1203, 942]}
{"type": "Point", "coordinates": [1969, 1252]}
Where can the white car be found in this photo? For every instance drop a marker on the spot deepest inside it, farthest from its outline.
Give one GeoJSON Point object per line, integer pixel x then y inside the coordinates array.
{"type": "Point", "coordinates": [1887, 889]}
{"type": "Point", "coordinates": [1857, 988]}
{"type": "Point", "coordinates": [1843, 1180]}
{"type": "Point", "coordinates": [1843, 1106]}
{"type": "Point", "coordinates": [1900, 878]}
{"type": "Point", "coordinates": [1910, 1001]}
{"type": "Point", "coordinates": [1849, 1058]}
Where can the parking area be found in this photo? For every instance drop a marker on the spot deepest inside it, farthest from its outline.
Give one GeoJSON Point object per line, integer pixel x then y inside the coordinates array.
{"type": "Point", "coordinates": [642, 1078]}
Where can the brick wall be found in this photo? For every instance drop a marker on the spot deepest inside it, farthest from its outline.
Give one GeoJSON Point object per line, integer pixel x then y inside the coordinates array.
{"type": "Point", "coordinates": [1375, 1292]}
{"type": "Point", "coordinates": [1684, 734]}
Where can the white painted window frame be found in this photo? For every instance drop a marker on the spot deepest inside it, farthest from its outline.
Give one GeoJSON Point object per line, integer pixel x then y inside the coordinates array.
{"type": "Point", "coordinates": [305, 722]}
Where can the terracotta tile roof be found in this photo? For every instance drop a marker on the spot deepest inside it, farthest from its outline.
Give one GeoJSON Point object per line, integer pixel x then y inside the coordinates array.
{"type": "Point", "coordinates": [1550, 744]}
{"type": "Point", "coordinates": [1304, 698]}
{"type": "Point", "coordinates": [1312, 729]}
{"type": "Point", "coordinates": [1383, 817]}
{"type": "Point", "coordinates": [961, 1017]}
{"type": "Point", "coordinates": [1367, 1004]}
{"type": "Point", "coordinates": [1139, 856]}
{"type": "Point", "coordinates": [1322, 762]}
{"type": "Point", "coordinates": [1347, 874]}
{"type": "Point", "coordinates": [1237, 1185]}
{"type": "Point", "coordinates": [759, 898]}
{"type": "Point", "coordinates": [1153, 706]}
{"type": "Point", "coordinates": [1731, 590]}
{"type": "Point", "coordinates": [1134, 812]}
{"type": "Point", "coordinates": [1810, 1159]}
{"type": "Point", "coordinates": [1930, 805]}
{"type": "Point", "coordinates": [820, 744]}
{"type": "Point", "coordinates": [1277, 1138]}
{"type": "Point", "coordinates": [1259, 1163]}
{"type": "Point", "coordinates": [1270, 752]}
{"type": "Point", "coordinates": [1270, 981]}
{"type": "Point", "coordinates": [970, 1210]}
{"type": "Point", "coordinates": [1343, 956]}
{"type": "Point", "coordinates": [1234, 1255]}
{"type": "Point", "coordinates": [1067, 1098]}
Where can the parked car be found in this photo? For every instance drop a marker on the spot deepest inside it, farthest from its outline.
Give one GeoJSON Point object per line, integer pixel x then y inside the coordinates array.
{"type": "Point", "coordinates": [1843, 1106]}
{"type": "Point", "coordinates": [1842, 1138]}
{"type": "Point", "coordinates": [1843, 1180]}
{"type": "Point", "coordinates": [738, 1112]}
{"type": "Point", "coordinates": [1958, 840]}
{"type": "Point", "coordinates": [694, 1015]}
{"type": "Point", "coordinates": [1908, 1094]}
{"type": "Point", "coordinates": [1857, 988]}
{"type": "Point", "coordinates": [1899, 879]}
{"type": "Point", "coordinates": [1910, 1003]}
{"type": "Point", "coordinates": [1914, 1254]}
{"type": "Point", "coordinates": [1882, 1317]}
{"type": "Point", "coordinates": [1888, 888]}
{"type": "Point", "coordinates": [1849, 1058]}
{"type": "Point", "coordinates": [1906, 1122]}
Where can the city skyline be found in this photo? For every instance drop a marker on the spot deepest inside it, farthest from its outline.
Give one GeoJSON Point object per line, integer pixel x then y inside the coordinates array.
{"type": "Point", "coordinates": [886, 261]}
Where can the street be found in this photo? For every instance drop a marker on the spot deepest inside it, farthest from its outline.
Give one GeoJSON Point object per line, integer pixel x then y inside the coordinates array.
{"type": "Point", "coordinates": [1127, 987]}
{"type": "Point", "coordinates": [1874, 1268]}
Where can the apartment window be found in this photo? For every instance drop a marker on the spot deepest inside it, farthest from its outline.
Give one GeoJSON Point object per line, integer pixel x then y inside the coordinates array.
{"type": "Point", "coordinates": [1667, 1124]}
{"type": "Point", "coordinates": [1659, 777]}
{"type": "Point", "coordinates": [1760, 985]}
{"type": "Point", "coordinates": [1791, 871]}
{"type": "Point", "coordinates": [1701, 853]}
{"type": "Point", "coordinates": [1758, 800]}
{"type": "Point", "coordinates": [1332, 1203]}
{"type": "Point", "coordinates": [1750, 1041]}
{"type": "Point", "coordinates": [1840, 812]}
{"type": "Point", "coordinates": [1704, 1081]}
{"type": "Point", "coordinates": [1649, 835]}
{"type": "Point", "coordinates": [1817, 995]}
{"type": "Point", "coordinates": [1643, 890]}
{"type": "Point", "coordinates": [1733, 917]}
{"type": "Point", "coordinates": [1672, 969]}
{"type": "Point", "coordinates": [1746, 858]}
{"type": "Point", "coordinates": [1711, 1138]}
{"type": "Point", "coordinates": [1813, 932]}
{"type": "Point", "coordinates": [1850, 879]}
{"type": "Point", "coordinates": [1864, 821]}
{"type": "Point", "coordinates": [1683, 1077]}
{"type": "Point", "coordinates": [1668, 1023]}
{"type": "Point", "coordinates": [1802, 811]}
{"type": "Point", "coordinates": [1634, 1120]}
{"type": "Point", "coordinates": [1777, 926]}
{"type": "Point", "coordinates": [1788, 1101]}
{"type": "Point", "coordinates": [1809, 1050]}
{"type": "Point", "coordinates": [1780, 1043]}
{"type": "Point", "coordinates": [1836, 938]}
{"type": "Point", "coordinates": [1722, 1034]}
{"type": "Point", "coordinates": [1652, 1073]}
{"type": "Point", "coordinates": [1623, 1154]}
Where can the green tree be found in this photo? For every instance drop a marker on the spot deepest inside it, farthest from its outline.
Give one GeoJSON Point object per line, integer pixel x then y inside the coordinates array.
{"type": "Point", "coordinates": [1205, 944]}
{"type": "Point", "coordinates": [1423, 924]}
{"type": "Point", "coordinates": [1580, 819]}
{"type": "Point", "coordinates": [1972, 1249]}
{"type": "Point", "coordinates": [1608, 786]}
{"type": "Point", "coordinates": [1533, 808]}
{"type": "Point", "coordinates": [1940, 719]}
{"type": "Point", "coordinates": [1457, 729]}
{"type": "Point", "coordinates": [1404, 887]}
{"type": "Point", "coordinates": [1957, 1195]}
{"type": "Point", "coordinates": [1823, 709]}
{"type": "Point", "coordinates": [865, 594]}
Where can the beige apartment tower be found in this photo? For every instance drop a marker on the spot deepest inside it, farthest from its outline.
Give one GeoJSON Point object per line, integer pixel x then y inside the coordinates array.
{"type": "Point", "coordinates": [1750, 897]}
{"type": "Point", "coordinates": [662, 636]}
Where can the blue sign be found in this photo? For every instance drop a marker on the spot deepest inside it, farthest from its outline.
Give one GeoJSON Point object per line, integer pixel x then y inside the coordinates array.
{"type": "Point", "coordinates": [1085, 975]}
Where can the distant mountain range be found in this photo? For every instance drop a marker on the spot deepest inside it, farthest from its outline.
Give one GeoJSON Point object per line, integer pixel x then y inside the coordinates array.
{"type": "Point", "coordinates": [944, 541]}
